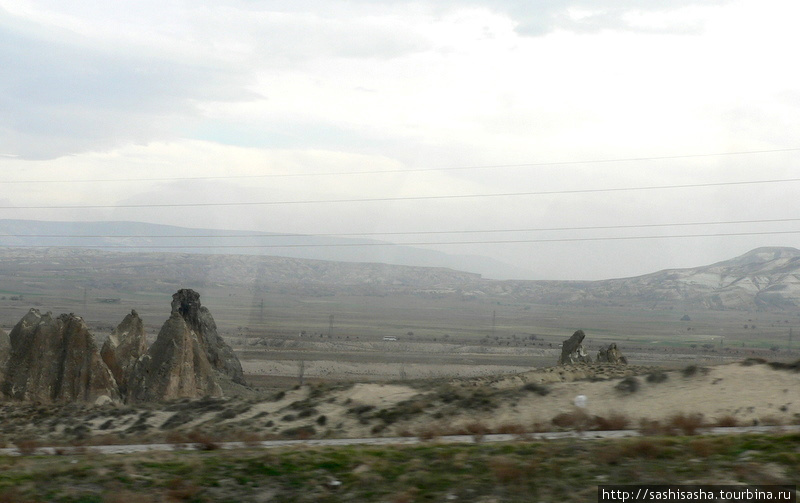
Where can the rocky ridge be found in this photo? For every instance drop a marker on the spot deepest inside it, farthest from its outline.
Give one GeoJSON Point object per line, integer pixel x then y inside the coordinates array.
{"type": "Point", "coordinates": [55, 360]}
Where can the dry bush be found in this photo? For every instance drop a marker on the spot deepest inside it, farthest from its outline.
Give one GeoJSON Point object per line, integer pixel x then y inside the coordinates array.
{"type": "Point", "coordinates": [615, 421]}
{"type": "Point", "coordinates": [477, 429]}
{"type": "Point", "coordinates": [177, 439]}
{"type": "Point", "coordinates": [611, 454]}
{"type": "Point", "coordinates": [11, 495]}
{"type": "Point", "coordinates": [203, 441]}
{"type": "Point", "coordinates": [576, 420]}
{"type": "Point", "coordinates": [629, 385]}
{"type": "Point", "coordinates": [124, 496]}
{"type": "Point", "coordinates": [540, 427]}
{"type": "Point", "coordinates": [27, 446]}
{"type": "Point", "coordinates": [656, 377]}
{"type": "Point", "coordinates": [687, 423]}
{"type": "Point", "coordinates": [727, 421]}
{"type": "Point", "coordinates": [407, 496]}
{"type": "Point", "coordinates": [512, 429]}
{"type": "Point", "coordinates": [180, 490]}
{"type": "Point", "coordinates": [429, 433]}
{"type": "Point", "coordinates": [771, 421]}
{"type": "Point", "coordinates": [300, 433]}
{"type": "Point", "coordinates": [248, 438]}
{"type": "Point", "coordinates": [693, 370]}
{"type": "Point", "coordinates": [642, 448]}
{"type": "Point", "coordinates": [505, 470]}
{"type": "Point", "coordinates": [654, 427]}
{"type": "Point", "coordinates": [537, 388]}
{"type": "Point", "coordinates": [703, 447]}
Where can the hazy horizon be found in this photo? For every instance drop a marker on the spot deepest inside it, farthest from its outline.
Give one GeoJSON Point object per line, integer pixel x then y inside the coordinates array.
{"type": "Point", "coordinates": [573, 140]}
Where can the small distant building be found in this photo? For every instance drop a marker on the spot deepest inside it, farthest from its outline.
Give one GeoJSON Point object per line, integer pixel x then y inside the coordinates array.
{"type": "Point", "coordinates": [390, 338]}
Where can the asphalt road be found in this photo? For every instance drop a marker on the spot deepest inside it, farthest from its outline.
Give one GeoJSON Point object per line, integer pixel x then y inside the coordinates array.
{"type": "Point", "coordinates": [466, 439]}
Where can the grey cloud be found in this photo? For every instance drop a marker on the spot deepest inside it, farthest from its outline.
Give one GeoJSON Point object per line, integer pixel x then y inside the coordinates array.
{"type": "Point", "coordinates": [58, 98]}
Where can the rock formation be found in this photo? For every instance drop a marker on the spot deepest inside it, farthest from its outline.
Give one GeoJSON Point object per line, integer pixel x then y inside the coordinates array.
{"type": "Point", "coordinates": [123, 348]}
{"type": "Point", "coordinates": [611, 354]}
{"type": "Point", "coordinates": [55, 360]}
{"type": "Point", "coordinates": [185, 358]}
{"type": "Point", "coordinates": [5, 346]}
{"type": "Point", "coordinates": [572, 350]}
{"type": "Point", "coordinates": [186, 302]}
{"type": "Point", "coordinates": [175, 366]}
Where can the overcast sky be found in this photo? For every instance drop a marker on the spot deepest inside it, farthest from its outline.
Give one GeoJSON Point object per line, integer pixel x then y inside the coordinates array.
{"type": "Point", "coordinates": [540, 103]}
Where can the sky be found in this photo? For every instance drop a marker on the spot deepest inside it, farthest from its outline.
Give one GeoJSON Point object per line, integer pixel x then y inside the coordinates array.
{"type": "Point", "coordinates": [575, 139]}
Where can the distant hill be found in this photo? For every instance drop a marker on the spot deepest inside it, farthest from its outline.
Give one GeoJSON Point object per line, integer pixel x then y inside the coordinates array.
{"type": "Point", "coordinates": [145, 237]}
{"type": "Point", "coordinates": [764, 278]}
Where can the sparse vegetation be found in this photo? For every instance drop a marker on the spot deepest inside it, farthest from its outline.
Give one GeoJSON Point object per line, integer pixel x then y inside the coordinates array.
{"type": "Point", "coordinates": [521, 470]}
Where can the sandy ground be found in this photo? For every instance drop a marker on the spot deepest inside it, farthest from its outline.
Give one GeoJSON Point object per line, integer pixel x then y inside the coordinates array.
{"type": "Point", "coordinates": [750, 394]}
{"type": "Point", "coordinates": [347, 371]}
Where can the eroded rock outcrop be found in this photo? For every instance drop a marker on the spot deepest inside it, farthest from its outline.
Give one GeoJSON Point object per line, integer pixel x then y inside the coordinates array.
{"type": "Point", "coordinates": [55, 360]}
{"type": "Point", "coordinates": [186, 302]}
{"type": "Point", "coordinates": [123, 348]}
{"type": "Point", "coordinates": [186, 357]}
{"type": "Point", "coordinates": [611, 354]}
{"type": "Point", "coordinates": [572, 350]}
{"type": "Point", "coordinates": [5, 346]}
{"type": "Point", "coordinates": [175, 366]}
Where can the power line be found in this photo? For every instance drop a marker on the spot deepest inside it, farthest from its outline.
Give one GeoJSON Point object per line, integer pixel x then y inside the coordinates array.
{"type": "Point", "coordinates": [402, 233]}
{"type": "Point", "coordinates": [420, 243]}
{"type": "Point", "coordinates": [404, 198]}
{"type": "Point", "coordinates": [408, 170]}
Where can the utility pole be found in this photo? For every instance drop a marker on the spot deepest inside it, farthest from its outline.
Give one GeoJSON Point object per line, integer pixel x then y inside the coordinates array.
{"type": "Point", "coordinates": [330, 326]}
{"type": "Point", "coordinates": [494, 321]}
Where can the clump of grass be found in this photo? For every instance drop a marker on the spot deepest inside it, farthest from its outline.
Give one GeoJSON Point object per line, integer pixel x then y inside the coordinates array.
{"type": "Point", "coordinates": [512, 429]}
{"type": "Point", "coordinates": [27, 446]}
{"type": "Point", "coordinates": [657, 377]}
{"type": "Point", "coordinates": [477, 429]}
{"type": "Point", "coordinates": [300, 432]}
{"type": "Point", "coordinates": [704, 447]}
{"type": "Point", "coordinates": [577, 420]}
{"type": "Point", "coordinates": [536, 388]}
{"type": "Point", "coordinates": [643, 448]}
{"type": "Point", "coordinates": [429, 433]}
{"type": "Point", "coordinates": [693, 370]}
{"type": "Point", "coordinates": [654, 427]}
{"type": "Point", "coordinates": [615, 421]}
{"type": "Point", "coordinates": [203, 441]}
{"type": "Point", "coordinates": [687, 423]}
{"type": "Point", "coordinates": [505, 470]}
{"type": "Point", "coordinates": [727, 421]}
{"type": "Point", "coordinates": [628, 385]}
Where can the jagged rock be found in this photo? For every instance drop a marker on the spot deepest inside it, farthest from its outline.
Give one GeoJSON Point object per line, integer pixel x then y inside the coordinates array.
{"type": "Point", "coordinates": [186, 303]}
{"type": "Point", "coordinates": [5, 346]}
{"type": "Point", "coordinates": [572, 350]}
{"type": "Point", "coordinates": [175, 366]}
{"type": "Point", "coordinates": [611, 354]}
{"type": "Point", "coordinates": [126, 344]}
{"type": "Point", "coordinates": [185, 358]}
{"type": "Point", "coordinates": [55, 360]}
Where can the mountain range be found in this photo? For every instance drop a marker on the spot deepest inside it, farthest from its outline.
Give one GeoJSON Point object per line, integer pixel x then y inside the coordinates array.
{"type": "Point", "coordinates": [765, 278]}
{"type": "Point", "coordinates": [146, 237]}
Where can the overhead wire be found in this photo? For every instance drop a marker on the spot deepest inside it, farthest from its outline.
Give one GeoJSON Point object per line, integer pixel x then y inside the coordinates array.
{"type": "Point", "coordinates": [402, 233]}
{"type": "Point", "coordinates": [416, 243]}
{"type": "Point", "coordinates": [403, 198]}
{"type": "Point", "coordinates": [405, 170]}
